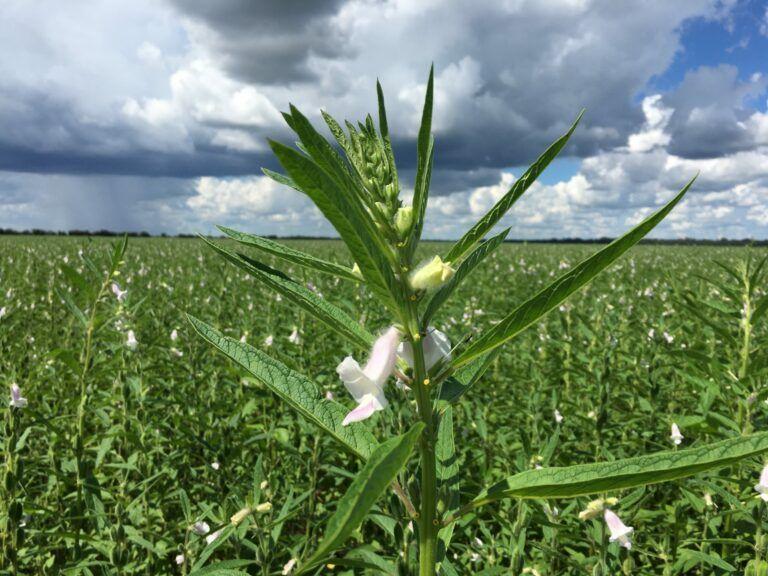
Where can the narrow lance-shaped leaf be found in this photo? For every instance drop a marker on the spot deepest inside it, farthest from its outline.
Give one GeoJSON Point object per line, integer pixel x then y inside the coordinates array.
{"type": "Point", "coordinates": [464, 270]}
{"type": "Point", "coordinates": [296, 390]}
{"type": "Point", "coordinates": [327, 313]}
{"type": "Point", "coordinates": [424, 156]}
{"type": "Point", "coordinates": [584, 479]}
{"type": "Point", "coordinates": [467, 376]}
{"type": "Point", "coordinates": [554, 294]}
{"type": "Point", "coordinates": [481, 228]}
{"type": "Point", "coordinates": [384, 129]}
{"type": "Point", "coordinates": [447, 476]}
{"type": "Point", "coordinates": [290, 254]}
{"type": "Point", "coordinates": [322, 191]}
{"type": "Point", "coordinates": [379, 472]}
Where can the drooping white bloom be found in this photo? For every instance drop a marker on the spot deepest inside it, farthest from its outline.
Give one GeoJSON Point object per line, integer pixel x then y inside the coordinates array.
{"type": "Point", "coordinates": [288, 568]}
{"type": "Point", "coordinates": [120, 294]}
{"type": "Point", "coordinates": [366, 385]}
{"type": "Point", "coordinates": [668, 337]}
{"type": "Point", "coordinates": [179, 559]}
{"type": "Point", "coordinates": [201, 528]}
{"type": "Point", "coordinates": [211, 537]}
{"type": "Point", "coordinates": [131, 341]}
{"type": "Point", "coordinates": [268, 340]}
{"type": "Point", "coordinates": [174, 335]}
{"type": "Point", "coordinates": [619, 531]}
{"type": "Point", "coordinates": [215, 465]}
{"type": "Point", "coordinates": [17, 401]}
{"type": "Point", "coordinates": [762, 486]}
{"type": "Point", "coordinates": [328, 395]}
{"type": "Point", "coordinates": [3, 312]}
{"type": "Point", "coordinates": [558, 416]}
{"type": "Point", "coordinates": [294, 338]}
{"type": "Point", "coordinates": [436, 348]}
{"type": "Point", "coordinates": [676, 436]}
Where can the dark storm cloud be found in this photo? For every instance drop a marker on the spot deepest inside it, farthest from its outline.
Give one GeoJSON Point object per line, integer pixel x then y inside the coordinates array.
{"type": "Point", "coordinates": [269, 41]}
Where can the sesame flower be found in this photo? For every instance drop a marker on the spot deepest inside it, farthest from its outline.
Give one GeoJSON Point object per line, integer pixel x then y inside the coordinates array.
{"type": "Point", "coordinates": [436, 347]}
{"type": "Point", "coordinates": [619, 531]}
{"type": "Point", "coordinates": [17, 401]}
{"type": "Point", "coordinates": [366, 385]}
{"type": "Point", "coordinates": [762, 486]}
{"type": "Point", "coordinates": [201, 528]}
{"type": "Point", "coordinates": [288, 568]}
{"type": "Point", "coordinates": [676, 436]}
{"type": "Point", "coordinates": [131, 341]}
{"type": "Point", "coordinates": [120, 294]}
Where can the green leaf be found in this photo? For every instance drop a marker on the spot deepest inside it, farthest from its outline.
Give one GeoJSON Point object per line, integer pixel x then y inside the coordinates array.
{"type": "Point", "coordinates": [373, 480]}
{"type": "Point", "coordinates": [467, 376]}
{"type": "Point", "coordinates": [447, 476]}
{"type": "Point", "coordinates": [290, 254]}
{"type": "Point", "coordinates": [481, 228]}
{"type": "Point", "coordinates": [70, 304]}
{"type": "Point", "coordinates": [334, 205]}
{"type": "Point", "coordinates": [584, 479]}
{"type": "Point", "coordinates": [554, 294]}
{"type": "Point", "coordinates": [424, 158]}
{"type": "Point", "coordinates": [295, 389]}
{"type": "Point", "coordinates": [384, 129]}
{"type": "Point", "coordinates": [327, 313]}
{"type": "Point", "coordinates": [226, 568]}
{"type": "Point", "coordinates": [464, 270]}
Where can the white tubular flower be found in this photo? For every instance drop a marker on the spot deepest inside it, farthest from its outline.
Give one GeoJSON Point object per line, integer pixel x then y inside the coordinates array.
{"type": "Point", "coordinates": [131, 341]}
{"type": "Point", "coordinates": [179, 559]}
{"type": "Point", "coordinates": [366, 385]}
{"type": "Point", "coordinates": [120, 294]}
{"type": "Point", "coordinates": [762, 486]}
{"type": "Point", "coordinates": [288, 568]}
{"type": "Point", "coordinates": [17, 401]}
{"type": "Point", "coordinates": [174, 335]}
{"type": "Point", "coordinates": [558, 416]}
{"type": "Point", "coordinates": [436, 346]}
{"type": "Point", "coordinates": [211, 537]}
{"type": "Point", "coordinates": [676, 436]}
{"type": "Point", "coordinates": [201, 528]}
{"type": "Point", "coordinates": [294, 338]}
{"type": "Point", "coordinates": [431, 275]}
{"type": "Point", "coordinates": [619, 531]}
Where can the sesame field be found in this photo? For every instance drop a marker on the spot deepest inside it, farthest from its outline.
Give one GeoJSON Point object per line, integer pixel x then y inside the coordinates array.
{"type": "Point", "coordinates": [130, 445]}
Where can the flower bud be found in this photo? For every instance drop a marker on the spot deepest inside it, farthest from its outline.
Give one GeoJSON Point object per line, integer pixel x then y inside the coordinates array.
{"type": "Point", "coordinates": [240, 516]}
{"type": "Point", "coordinates": [431, 275]}
{"type": "Point", "coordinates": [264, 507]}
{"type": "Point", "coordinates": [403, 221]}
{"type": "Point", "coordinates": [356, 271]}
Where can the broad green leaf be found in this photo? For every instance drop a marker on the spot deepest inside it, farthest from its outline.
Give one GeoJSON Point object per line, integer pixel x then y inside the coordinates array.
{"type": "Point", "coordinates": [584, 479]}
{"type": "Point", "coordinates": [70, 304]}
{"type": "Point", "coordinates": [373, 480]}
{"type": "Point", "coordinates": [327, 313]}
{"type": "Point", "coordinates": [554, 294]}
{"type": "Point", "coordinates": [296, 390]}
{"type": "Point", "coordinates": [290, 254]}
{"type": "Point", "coordinates": [326, 195]}
{"type": "Point", "coordinates": [484, 225]}
{"type": "Point", "coordinates": [447, 477]}
{"type": "Point", "coordinates": [464, 270]}
{"type": "Point", "coordinates": [226, 568]}
{"type": "Point", "coordinates": [424, 158]}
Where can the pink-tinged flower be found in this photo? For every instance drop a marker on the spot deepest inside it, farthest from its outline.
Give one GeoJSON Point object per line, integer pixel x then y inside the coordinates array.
{"type": "Point", "coordinates": [366, 385]}
{"type": "Point", "coordinates": [436, 346]}
{"type": "Point", "coordinates": [201, 528]}
{"type": "Point", "coordinates": [269, 340]}
{"type": "Point", "coordinates": [17, 401]}
{"type": "Point", "coordinates": [676, 436]}
{"type": "Point", "coordinates": [288, 568]}
{"type": "Point", "coordinates": [131, 341]}
{"type": "Point", "coordinates": [211, 537]}
{"type": "Point", "coordinates": [762, 486]}
{"type": "Point", "coordinates": [328, 395]}
{"type": "Point", "coordinates": [120, 294]}
{"type": "Point", "coordinates": [619, 531]}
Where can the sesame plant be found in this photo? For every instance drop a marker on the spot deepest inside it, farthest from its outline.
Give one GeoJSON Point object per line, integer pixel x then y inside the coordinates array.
{"type": "Point", "coordinates": [354, 183]}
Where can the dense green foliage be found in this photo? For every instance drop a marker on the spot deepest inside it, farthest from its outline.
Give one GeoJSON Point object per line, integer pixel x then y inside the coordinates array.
{"type": "Point", "coordinates": [657, 338]}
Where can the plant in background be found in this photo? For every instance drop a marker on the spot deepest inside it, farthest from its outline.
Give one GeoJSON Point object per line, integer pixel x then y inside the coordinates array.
{"type": "Point", "coordinates": [359, 193]}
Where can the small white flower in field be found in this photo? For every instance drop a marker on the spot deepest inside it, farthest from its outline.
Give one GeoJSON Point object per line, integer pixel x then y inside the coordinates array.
{"type": "Point", "coordinates": [478, 542]}
{"type": "Point", "coordinates": [708, 500]}
{"type": "Point", "coordinates": [264, 485]}
{"type": "Point", "coordinates": [201, 528]}
{"type": "Point", "coordinates": [436, 346]}
{"type": "Point", "coordinates": [328, 395]}
{"type": "Point", "coordinates": [239, 516]}
{"type": "Point", "coordinates": [120, 294]}
{"type": "Point", "coordinates": [668, 337]}
{"type": "Point", "coordinates": [131, 341]}
{"type": "Point", "coordinates": [676, 436]}
{"type": "Point", "coordinates": [17, 401]}
{"type": "Point", "coordinates": [179, 559]}
{"type": "Point", "coordinates": [174, 335]}
{"type": "Point", "coordinates": [269, 340]}
{"type": "Point", "coordinates": [211, 537]}
{"type": "Point", "coordinates": [278, 298]}
{"type": "Point", "coordinates": [176, 352]}
{"type": "Point", "coordinates": [430, 275]}
{"type": "Point", "coordinates": [592, 415]}
{"type": "Point", "coordinates": [762, 486]}
{"type": "Point", "coordinates": [619, 531]}
{"type": "Point", "coordinates": [243, 338]}
{"type": "Point", "coordinates": [3, 311]}
{"type": "Point", "coordinates": [558, 416]}
{"type": "Point", "coordinates": [288, 568]}
{"type": "Point", "coordinates": [651, 334]}
{"type": "Point", "coordinates": [366, 385]}
{"type": "Point", "coordinates": [294, 338]}
{"type": "Point", "coordinates": [474, 557]}
{"type": "Point", "coordinates": [215, 465]}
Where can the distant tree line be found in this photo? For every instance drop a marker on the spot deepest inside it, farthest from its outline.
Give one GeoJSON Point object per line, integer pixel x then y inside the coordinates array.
{"type": "Point", "coordinates": [602, 240]}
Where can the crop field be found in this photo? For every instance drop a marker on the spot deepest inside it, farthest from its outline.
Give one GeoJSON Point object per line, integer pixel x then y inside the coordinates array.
{"type": "Point", "coordinates": [132, 454]}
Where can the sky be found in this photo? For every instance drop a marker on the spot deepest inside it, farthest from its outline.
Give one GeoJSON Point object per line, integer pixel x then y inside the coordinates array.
{"type": "Point", "coordinates": [154, 114]}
